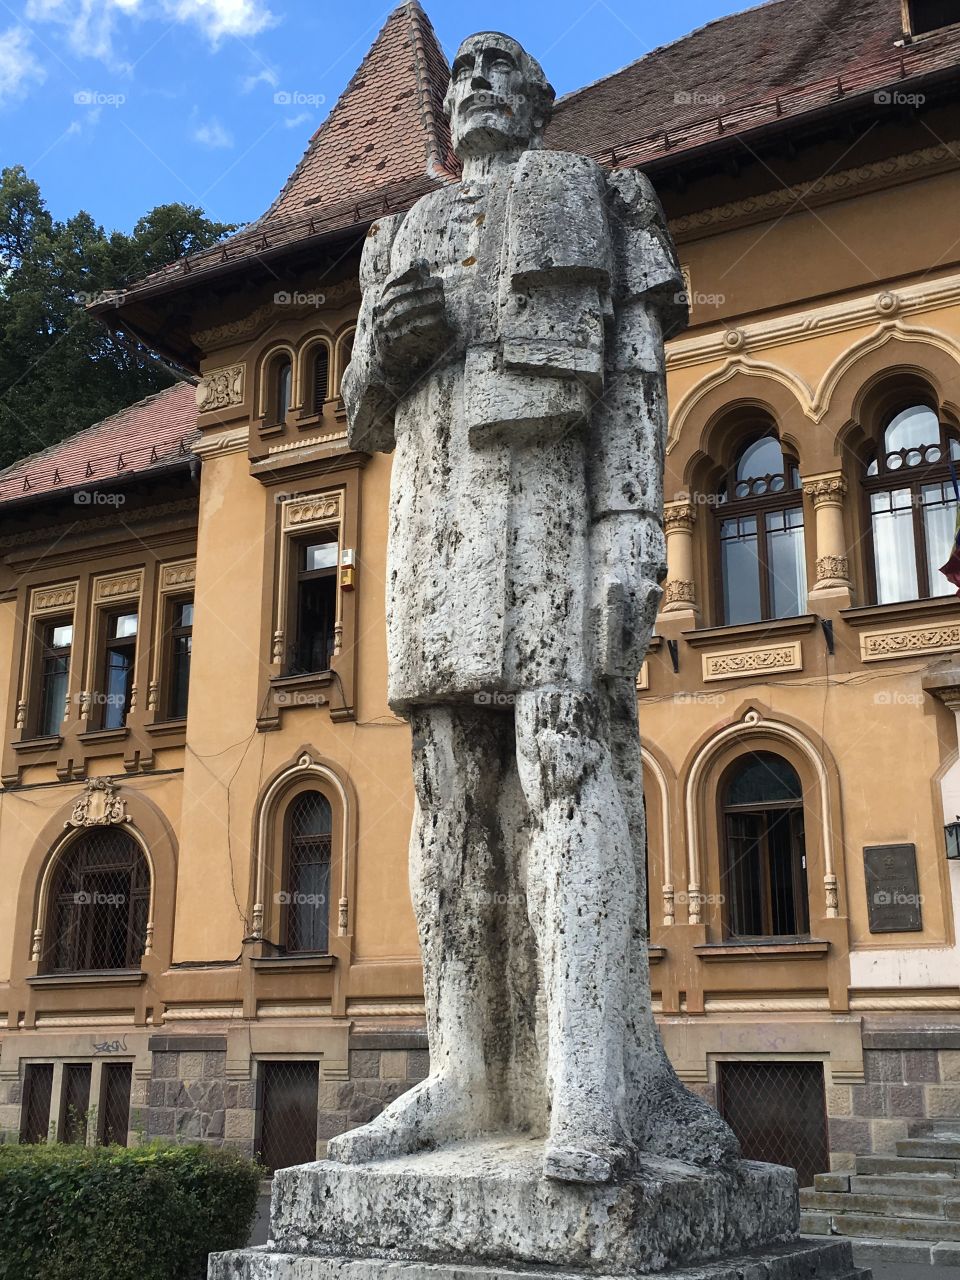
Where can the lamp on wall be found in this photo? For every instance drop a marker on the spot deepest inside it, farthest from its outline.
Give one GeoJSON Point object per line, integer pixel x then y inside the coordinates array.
{"type": "Point", "coordinates": [952, 833]}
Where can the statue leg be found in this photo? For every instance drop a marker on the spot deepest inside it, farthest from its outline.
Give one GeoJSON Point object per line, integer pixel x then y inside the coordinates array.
{"type": "Point", "coordinates": [669, 1120]}
{"type": "Point", "coordinates": [456, 881]}
{"type": "Point", "coordinates": [581, 895]}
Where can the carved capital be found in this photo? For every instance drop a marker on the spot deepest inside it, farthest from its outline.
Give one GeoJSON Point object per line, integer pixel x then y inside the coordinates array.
{"type": "Point", "coordinates": [220, 388]}
{"type": "Point", "coordinates": [100, 805]}
{"type": "Point", "coordinates": [826, 490]}
{"type": "Point", "coordinates": [679, 515]}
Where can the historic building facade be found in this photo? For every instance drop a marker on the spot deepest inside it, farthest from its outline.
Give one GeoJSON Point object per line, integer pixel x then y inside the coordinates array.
{"type": "Point", "coordinates": [206, 801]}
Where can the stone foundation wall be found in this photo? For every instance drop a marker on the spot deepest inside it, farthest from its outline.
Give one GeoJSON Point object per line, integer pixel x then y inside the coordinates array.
{"type": "Point", "coordinates": [912, 1077]}
{"type": "Point", "coordinates": [191, 1098]}
{"type": "Point", "coordinates": [383, 1064]}
{"type": "Point", "coordinates": [11, 1095]}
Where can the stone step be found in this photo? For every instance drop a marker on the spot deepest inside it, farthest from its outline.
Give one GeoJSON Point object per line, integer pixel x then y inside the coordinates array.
{"type": "Point", "coordinates": [909, 1185]}
{"type": "Point", "coordinates": [883, 1204]}
{"type": "Point", "coordinates": [799, 1260]}
{"type": "Point", "coordinates": [935, 1128]}
{"type": "Point", "coordinates": [893, 1253]}
{"type": "Point", "coordinates": [931, 1148]}
{"type": "Point", "coordinates": [821, 1222]}
{"type": "Point", "coordinates": [830, 1182]}
{"type": "Point", "coordinates": [906, 1165]}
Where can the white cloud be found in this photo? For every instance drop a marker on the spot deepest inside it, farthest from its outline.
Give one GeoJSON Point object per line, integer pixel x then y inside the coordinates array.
{"type": "Point", "coordinates": [267, 76]}
{"type": "Point", "coordinates": [91, 25]}
{"type": "Point", "coordinates": [293, 121]}
{"type": "Point", "coordinates": [219, 18]}
{"type": "Point", "coordinates": [212, 134]}
{"type": "Point", "coordinates": [18, 66]}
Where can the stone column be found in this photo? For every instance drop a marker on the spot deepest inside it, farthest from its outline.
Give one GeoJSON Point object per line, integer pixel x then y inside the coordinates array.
{"type": "Point", "coordinates": [827, 492]}
{"type": "Point", "coordinates": [679, 592]}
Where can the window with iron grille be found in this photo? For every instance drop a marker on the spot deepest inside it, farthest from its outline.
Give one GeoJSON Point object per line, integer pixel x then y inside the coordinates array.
{"type": "Point", "coordinates": [305, 920]}
{"type": "Point", "coordinates": [765, 865]}
{"type": "Point", "coordinates": [75, 1102]}
{"type": "Point", "coordinates": [56, 640]}
{"type": "Point", "coordinates": [99, 903]}
{"type": "Point", "coordinates": [778, 1112]}
{"type": "Point", "coordinates": [37, 1096]}
{"type": "Point", "coordinates": [289, 1097]}
{"type": "Point", "coordinates": [114, 1117]}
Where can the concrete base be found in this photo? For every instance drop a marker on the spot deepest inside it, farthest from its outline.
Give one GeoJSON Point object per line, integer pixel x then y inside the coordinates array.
{"type": "Point", "coordinates": [482, 1208]}
{"type": "Point", "coordinates": [800, 1260]}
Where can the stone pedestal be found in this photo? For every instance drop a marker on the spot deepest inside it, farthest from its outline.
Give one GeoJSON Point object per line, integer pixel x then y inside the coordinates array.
{"type": "Point", "coordinates": [482, 1209]}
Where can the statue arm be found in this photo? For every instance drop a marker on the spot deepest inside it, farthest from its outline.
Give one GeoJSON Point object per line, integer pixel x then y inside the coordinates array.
{"type": "Point", "coordinates": [369, 398]}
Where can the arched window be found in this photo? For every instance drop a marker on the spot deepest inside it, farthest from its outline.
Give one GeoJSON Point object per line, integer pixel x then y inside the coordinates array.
{"type": "Point", "coordinates": [308, 837]}
{"type": "Point", "coordinates": [283, 384]}
{"type": "Point", "coordinates": [912, 507]}
{"type": "Point", "coordinates": [320, 382]}
{"type": "Point", "coordinates": [765, 872]}
{"type": "Point", "coordinates": [762, 566]}
{"type": "Point", "coordinates": [344, 355]}
{"type": "Point", "coordinates": [99, 904]}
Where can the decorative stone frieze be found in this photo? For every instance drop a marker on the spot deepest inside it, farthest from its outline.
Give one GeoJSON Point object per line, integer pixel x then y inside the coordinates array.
{"type": "Point", "coordinates": [677, 592]}
{"type": "Point", "coordinates": [907, 642]}
{"type": "Point", "coordinates": [220, 388]}
{"type": "Point", "coordinates": [50, 599]}
{"type": "Point", "coordinates": [766, 659]}
{"type": "Point", "coordinates": [312, 508]}
{"type": "Point", "coordinates": [118, 586]}
{"type": "Point", "coordinates": [177, 575]}
{"type": "Point", "coordinates": [832, 569]}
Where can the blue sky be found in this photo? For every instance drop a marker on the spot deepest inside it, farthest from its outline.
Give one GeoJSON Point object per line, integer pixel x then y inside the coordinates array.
{"type": "Point", "coordinates": [115, 106]}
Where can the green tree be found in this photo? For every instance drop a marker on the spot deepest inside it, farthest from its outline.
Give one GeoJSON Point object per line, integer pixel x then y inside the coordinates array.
{"type": "Point", "coordinates": [60, 369]}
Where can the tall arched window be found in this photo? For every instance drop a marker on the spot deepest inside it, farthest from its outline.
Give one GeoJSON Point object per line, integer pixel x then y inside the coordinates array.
{"type": "Point", "coordinates": [762, 565]}
{"type": "Point", "coordinates": [308, 837]}
{"type": "Point", "coordinates": [911, 504]}
{"type": "Point", "coordinates": [765, 871]}
{"type": "Point", "coordinates": [99, 904]}
{"type": "Point", "coordinates": [344, 355]}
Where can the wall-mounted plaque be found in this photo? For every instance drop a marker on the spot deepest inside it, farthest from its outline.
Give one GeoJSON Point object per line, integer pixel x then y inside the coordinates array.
{"type": "Point", "coordinates": [893, 888]}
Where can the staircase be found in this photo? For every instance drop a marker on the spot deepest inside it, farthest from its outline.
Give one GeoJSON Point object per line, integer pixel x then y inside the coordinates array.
{"type": "Point", "coordinates": [901, 1210]}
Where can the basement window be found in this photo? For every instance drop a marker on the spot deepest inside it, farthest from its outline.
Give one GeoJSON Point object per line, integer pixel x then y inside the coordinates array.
{"type": "Point", "coordinates": [925, 16]}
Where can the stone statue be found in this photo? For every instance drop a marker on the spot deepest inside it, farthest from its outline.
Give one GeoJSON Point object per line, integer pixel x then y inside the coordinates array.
{"type": "Point", "coordinates": [509, 351]}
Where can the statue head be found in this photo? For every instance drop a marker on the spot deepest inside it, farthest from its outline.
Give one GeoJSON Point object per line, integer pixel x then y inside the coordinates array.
{"type": "Point", "coordinates": [498, 99]}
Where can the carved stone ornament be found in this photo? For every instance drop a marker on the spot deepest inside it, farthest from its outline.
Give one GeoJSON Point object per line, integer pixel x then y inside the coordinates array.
{"type": "Point", "coordinates": [677, 592]}
{"type": "Point", "coordinates": [100, 805]}
{"type": "Point", "coordinates": [220, 388]}
{"type": "Point", "coordinates": [679, 515]}
{"type": "Point", "coordinates": [47, 598]}
{"type": "Point", "coordinates": [833, 569]}
{"type": "Point", "coordinates": [312, 508]}
{"type": "Point", "coordinates": [825, 490]}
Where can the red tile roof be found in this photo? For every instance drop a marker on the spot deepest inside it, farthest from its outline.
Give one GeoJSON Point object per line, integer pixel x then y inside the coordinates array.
{"type": "Point", "coordinates": [152, 434]}
{"type": "Point", "coordinates": [385, 143]}
{"type": "Point", "coordinates": [781, 59]}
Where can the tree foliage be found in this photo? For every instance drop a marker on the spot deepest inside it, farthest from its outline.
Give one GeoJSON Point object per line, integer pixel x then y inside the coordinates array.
{"type": "Point", "coordinates": [60, 368]}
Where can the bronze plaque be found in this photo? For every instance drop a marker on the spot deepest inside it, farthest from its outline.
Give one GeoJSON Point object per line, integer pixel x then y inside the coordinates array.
{"type": "Point", "coordinates": [893, 888]}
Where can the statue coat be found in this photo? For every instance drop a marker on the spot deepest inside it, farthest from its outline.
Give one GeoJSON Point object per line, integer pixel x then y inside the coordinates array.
{"type": "Point", "coordinates": [514, 445]}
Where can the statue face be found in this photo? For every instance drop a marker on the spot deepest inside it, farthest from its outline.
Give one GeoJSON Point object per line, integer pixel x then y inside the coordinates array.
{"type": "Point", "coordinates": [490, 101]}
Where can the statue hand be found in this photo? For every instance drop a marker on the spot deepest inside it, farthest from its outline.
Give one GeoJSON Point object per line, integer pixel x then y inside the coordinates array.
{"type": "Point", "coordinates": [628, 562]}
{"type": "Point", "coordinates": [410, 320]}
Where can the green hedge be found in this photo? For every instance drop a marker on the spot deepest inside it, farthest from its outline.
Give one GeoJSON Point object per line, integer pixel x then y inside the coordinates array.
{"type": "Point", "coordinates": [153, 1212]}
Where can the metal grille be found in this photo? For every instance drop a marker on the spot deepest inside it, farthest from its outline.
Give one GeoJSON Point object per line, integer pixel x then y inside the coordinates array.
{"type": "Point", "coordinates": [309, 826]}
{"type": "Point", "coordinates": [99, 905]}
{"type": "Point", "coordinates": [778, 1111]}
{"type": "Point", "coordinates": [37, 1092]}
{"type": "Point", "coordinates": [289, 1094]}
{"type": "Point", "coordinates": [115, 1103]}
{"type": "Point", "coordinates": [76, 1102]}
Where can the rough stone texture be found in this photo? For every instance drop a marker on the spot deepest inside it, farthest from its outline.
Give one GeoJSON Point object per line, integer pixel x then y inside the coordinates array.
{"type": "Point", "coordinates": [510, 353]}
{"type": "Point", "coordinates": [810, 1260]}
{"type": "Point", "coordinates": [487, 1200]}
